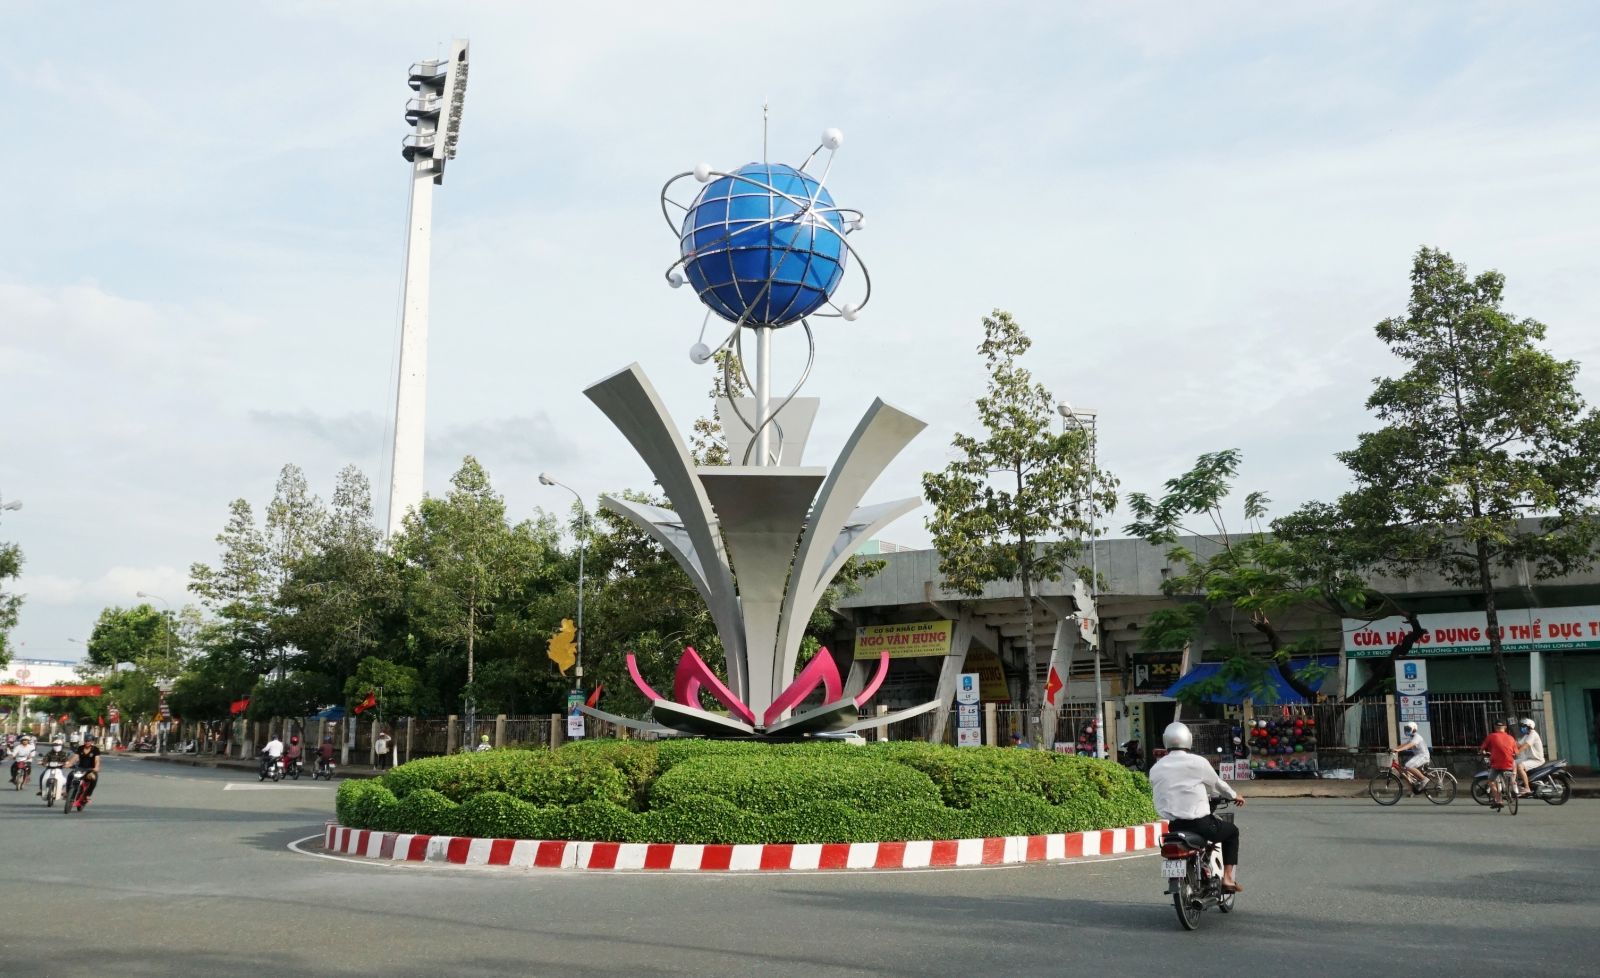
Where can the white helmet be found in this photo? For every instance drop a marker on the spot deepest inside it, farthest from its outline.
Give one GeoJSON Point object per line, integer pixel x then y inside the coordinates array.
{"type": "Point", "coordinates": [1409, 727]}
{"type": "Point", "coordinates": [1528, 722]}
{"type": "Point", "coordinates": [1177, 736]}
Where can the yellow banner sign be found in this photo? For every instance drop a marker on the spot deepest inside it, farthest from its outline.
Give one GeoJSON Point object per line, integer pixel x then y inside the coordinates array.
{"type": "Point", "coordinates": [904, 641]}
{"type": "Point", "coordinates": [992, 686]}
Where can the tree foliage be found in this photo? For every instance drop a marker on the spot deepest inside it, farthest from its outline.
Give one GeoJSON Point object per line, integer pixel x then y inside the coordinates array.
{"type": "Point", "coordinates": [10, 602]}
{"type": "Point", "coordinates": [1488, 457]}
{"type": "Point", "coordinates": [1018, 499]}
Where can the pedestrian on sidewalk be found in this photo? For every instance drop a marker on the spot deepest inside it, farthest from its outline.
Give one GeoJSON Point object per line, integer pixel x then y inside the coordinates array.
{"type": "Point", "coordinates": [380, 750]}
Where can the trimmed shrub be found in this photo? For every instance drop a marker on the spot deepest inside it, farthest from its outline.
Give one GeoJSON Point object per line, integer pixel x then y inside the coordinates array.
{"type": "Point", "coordinates": [701, 791]}
{"type": "Point", "coordinates": [425, 812]}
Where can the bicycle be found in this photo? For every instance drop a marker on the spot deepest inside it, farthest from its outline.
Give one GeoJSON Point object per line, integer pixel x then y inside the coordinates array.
{"type": "Point", "coordinates": [1388, 786]}
{"type": "Point", "coordinates": [1508, 792]}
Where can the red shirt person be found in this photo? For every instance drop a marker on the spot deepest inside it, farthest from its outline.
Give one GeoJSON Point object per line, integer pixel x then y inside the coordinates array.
{"type": "Point", "coordinates": [1502, 751]}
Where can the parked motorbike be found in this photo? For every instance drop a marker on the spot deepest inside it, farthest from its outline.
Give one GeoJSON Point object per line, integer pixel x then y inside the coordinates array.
{"type": "Point", "coordinates": [55, 783]}
{"type": "Point", "coordinates": [1550, 782]}
{"type": "Point", "coordinates": [324, 770]}
{"type": "Point", "coordinates": [1192, 867]}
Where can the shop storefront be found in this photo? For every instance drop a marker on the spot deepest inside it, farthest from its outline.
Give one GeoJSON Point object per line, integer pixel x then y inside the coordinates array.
{"type": "Point", "coordinates": [1554, 651]}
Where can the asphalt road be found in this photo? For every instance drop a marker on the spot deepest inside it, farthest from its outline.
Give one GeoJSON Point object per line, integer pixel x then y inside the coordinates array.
{"type": "Point", "coordinates": [176, 871]}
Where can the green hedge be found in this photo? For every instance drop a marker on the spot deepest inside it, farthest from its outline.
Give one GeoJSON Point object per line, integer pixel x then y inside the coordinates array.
{"type": "Point", "coordinates": [739, 792]}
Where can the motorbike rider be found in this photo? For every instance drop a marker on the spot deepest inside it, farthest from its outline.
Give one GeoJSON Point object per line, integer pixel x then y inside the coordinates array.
{"type": "Point", "coordinates": [292, 753]}
{"type": "Point", "coordinates": [1182, 784]}
{"type": "Point", "coordinates": [88, 758]}
{"type": "Point", "coordinates": [271, 752]}
{"type": "Point", "coordinates": [1530, 752]}
{"type": "Point", "coordinates": [22, 756]}
{"type": "Point", "coordinates": [325, 753]}
{"type": "Point", "coordinates": [1415, 751]}
{"type": "Point", "coordinates": [57, 758]}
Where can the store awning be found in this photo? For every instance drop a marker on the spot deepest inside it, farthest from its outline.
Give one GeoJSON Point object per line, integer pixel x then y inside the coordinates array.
{"type": "Point", "coordinates": [1236, 692]}
{"type": "Point", "coordinates": [332, 713]}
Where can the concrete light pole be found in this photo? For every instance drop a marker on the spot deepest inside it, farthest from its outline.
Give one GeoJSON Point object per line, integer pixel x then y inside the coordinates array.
{"type": "Point", "coordinates": [165, 686]}
{"type": "Point", "coordinates": [583, 542]}
{"type": "Point", "coordinates": [1087, 421]}
{"type": "Point", "coordinates": [435, 115]}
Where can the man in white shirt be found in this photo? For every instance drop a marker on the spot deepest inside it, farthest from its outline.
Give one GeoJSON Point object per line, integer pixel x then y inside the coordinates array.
{"type": "Point", "coordinates": [271, 752]}
{"type": "Point", "coordinates": [1183, 784]}
{"type": "Point", "coordinates": [1530, 753]}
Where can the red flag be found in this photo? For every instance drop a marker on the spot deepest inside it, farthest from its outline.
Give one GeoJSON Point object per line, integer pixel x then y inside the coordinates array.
{"type": "Point", "coordinates": [368, 703]}
{"type": "Point", "coordinates": [239, 706]}
{"type": "Point", "coordinates": [1053, 685]}
{"type": "Point", "coordinates": [594, 697]}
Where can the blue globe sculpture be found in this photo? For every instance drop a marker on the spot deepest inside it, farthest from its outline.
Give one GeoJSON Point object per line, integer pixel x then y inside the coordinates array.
{"type": "Point", "coordinates": [763, 246]}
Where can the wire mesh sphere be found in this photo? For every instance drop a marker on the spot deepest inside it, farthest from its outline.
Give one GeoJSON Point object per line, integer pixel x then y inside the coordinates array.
{"type": "Point", "coordinates": [763, 246]}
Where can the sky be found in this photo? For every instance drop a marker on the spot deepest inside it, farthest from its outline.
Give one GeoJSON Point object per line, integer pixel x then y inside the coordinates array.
{"type": "Point", "coordinates": [1198, 212]}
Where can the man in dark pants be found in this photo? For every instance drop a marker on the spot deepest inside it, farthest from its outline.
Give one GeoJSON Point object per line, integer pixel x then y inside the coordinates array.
{"type": "Point", "coordinates": [1183, 784]}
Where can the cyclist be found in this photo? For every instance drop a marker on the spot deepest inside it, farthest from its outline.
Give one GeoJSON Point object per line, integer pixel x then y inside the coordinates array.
{"type": "Point", "coordinates": [22, 757]}
{"type": "Point", "coordinates": [1502, 751]}
{"type": "Point", "coordinates": [88, 756]}
{"type": "Point", "coordinates": [1183, 784]}
{"type": "Point", "coordinates": [1530, 753]}
{"type": "Point", "coordinates": [57, 758]}
{"type": "Point", "coordinates": [1415, 752]}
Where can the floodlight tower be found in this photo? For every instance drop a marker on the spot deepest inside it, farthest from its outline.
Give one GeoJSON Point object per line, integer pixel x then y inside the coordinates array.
{"type": "Point", "coordinates": [435, 116]}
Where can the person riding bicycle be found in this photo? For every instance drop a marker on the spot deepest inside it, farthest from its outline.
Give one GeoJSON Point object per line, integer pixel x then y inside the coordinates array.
{"type": "Point", "coordinates": [88, 760]}
{"type": "Point", "coordinates": [1530, 753]}
{"type": "Point", "coordinates": [57, 758]}
{"type": "Point", "coordinates": [22, 756]}
{"type": "Point", "coordinates": [1415, 752]}
{"type": "Point", "coordinates": [1502, 751]}
{"type": "Point", "coordinates": [1183, 784]}
{"type": "Point", "coordinates": [271, 752]}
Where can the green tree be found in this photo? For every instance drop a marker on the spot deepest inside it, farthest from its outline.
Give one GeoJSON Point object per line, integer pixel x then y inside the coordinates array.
{"type": "Point", "coordinates": [1488, 456]}
{"type": "Point", "coordinates": [399, 688]}
{"type": "Point", "coordinates": [140, 635]}
{"type": "Point", "coordinates": [1305, 565]}
{"type": "Point", "coordinates": [10, 603]}
{"type": "Point", "coordinates": [239, 592]}
{"type": "Point", "coordinates": [1017, 500]}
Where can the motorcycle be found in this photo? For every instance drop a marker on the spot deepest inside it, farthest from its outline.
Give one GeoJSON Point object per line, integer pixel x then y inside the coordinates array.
{"type": "Point", "coordinates": [271, 767]}
{"type": "Point", "coordinates": [55, 783]}
{"type": "Point", "coordinates": [74, 788]}
{"type": "Point", "coordinates": [323, 770]}
{"type": "Point", "coordinates": [1551, 783]}
{"type": "Point", "coordinates": [1192, 867]}
{"type": "Point", "coordinates": [21, 774]}
{"type": "Point", "coordinates": [294, 768]}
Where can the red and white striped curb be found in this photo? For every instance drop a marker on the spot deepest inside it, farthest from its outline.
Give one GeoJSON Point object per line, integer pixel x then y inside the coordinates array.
{"type": "Point", "coordinates": [535, 854]}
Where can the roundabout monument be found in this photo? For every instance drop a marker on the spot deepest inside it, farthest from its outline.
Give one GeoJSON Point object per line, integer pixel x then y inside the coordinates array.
{"type": "Point", "coordinates": [765, 248]}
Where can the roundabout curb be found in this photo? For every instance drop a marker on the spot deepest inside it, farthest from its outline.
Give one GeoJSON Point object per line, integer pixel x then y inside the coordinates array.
{"type": "Point", "coordinates": [773, 857]}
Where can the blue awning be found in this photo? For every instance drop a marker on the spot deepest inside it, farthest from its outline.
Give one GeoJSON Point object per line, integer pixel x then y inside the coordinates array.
{"type": "Point", "coordinates": [332, 713]}
{"type": "Point", "coordinates": [1236, 692]}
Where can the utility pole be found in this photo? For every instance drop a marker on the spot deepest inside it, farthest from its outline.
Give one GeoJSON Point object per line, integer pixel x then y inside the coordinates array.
{"type": "Point", "coordinates": [435, 116]}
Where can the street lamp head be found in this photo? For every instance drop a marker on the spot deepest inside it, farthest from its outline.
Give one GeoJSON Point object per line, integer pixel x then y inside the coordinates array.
{"type": "Point", "coordinates": [12, 506]}
{"type": "Point", "coordinates": [140, 594]}
{"type": "Point", "coordinates": [545, 480]}
{"type": "Point", "coordinates": [1064, 409]}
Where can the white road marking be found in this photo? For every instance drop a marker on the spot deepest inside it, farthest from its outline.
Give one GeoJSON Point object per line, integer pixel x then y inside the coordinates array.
{"type": "Point", "coordinates": [236, 786]}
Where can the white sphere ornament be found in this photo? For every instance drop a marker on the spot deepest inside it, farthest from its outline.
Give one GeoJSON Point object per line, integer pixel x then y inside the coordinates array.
{"type": "Point", "coordinates": [832, 138]}
{"type": "Point", "coordinates": [858, 224]}
{"type": "Point", "coordinates": [699, 353]}
{"type": "Point", "coordinates": [702, 172]}
{"type": "Point", "coordinates": [849, 312]}
{"type": "Point", "coordinates": [675, 279]}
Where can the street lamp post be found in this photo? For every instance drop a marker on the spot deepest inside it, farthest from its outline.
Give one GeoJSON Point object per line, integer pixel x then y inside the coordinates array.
{"type": "Point", "coordinates": [1087, 421]}
{"type": "Point", "coordinates": [166, 633]}
{"type": "Point", "coordinates": [583, 541]}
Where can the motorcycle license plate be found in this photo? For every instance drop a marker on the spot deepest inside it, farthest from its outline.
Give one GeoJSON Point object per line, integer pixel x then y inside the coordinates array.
{"type": "Point", "coordinates": [1173, 868]}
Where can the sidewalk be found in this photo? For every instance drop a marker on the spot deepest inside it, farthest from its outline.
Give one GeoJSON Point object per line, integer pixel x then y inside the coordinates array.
{"type": "Point", "coordinates": [239, 764]}
{"type": "Point", "coordinates": [1583, 786]}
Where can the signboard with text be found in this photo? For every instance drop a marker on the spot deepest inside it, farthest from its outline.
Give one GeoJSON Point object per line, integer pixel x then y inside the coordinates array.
{"type": "Point", "coordinates": [12, 689]}
{"type": "Point", "coordinates": [907, 640]}
{"type": "Point", "coordinates": [1466, 632]}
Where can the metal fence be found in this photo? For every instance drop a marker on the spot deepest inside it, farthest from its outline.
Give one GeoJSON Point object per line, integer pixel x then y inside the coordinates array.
{"type": "Point", "coordinates": [1459, 720]}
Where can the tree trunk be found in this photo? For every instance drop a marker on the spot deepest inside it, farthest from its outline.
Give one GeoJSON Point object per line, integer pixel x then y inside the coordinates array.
{"type": "Point", "coordinates": [1400, 649]}
{"type": "Point", "coordinates": [1031, 677]}
{"type": "Point", "coordinates": [1491, 620]}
